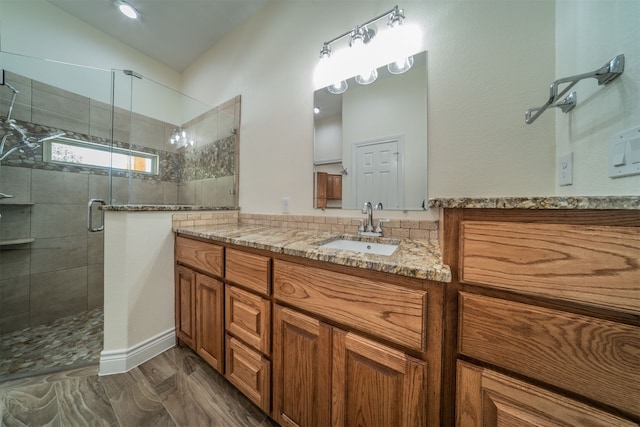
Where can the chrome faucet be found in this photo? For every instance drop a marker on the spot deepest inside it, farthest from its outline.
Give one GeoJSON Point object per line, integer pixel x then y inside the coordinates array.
{"type": "Point", "coordinates": [367, 209]}
{"type": "Point", "coordinates": [366, 227]}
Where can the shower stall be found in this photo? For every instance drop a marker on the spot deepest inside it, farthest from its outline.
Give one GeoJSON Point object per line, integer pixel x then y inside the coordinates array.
{"type": "Point", "coordinates": [71, 134]}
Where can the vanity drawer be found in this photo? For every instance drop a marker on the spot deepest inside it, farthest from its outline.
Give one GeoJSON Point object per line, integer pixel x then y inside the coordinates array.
{"type": "Point", "coordinates": [596, 265]}
{"type": "Point", "coordinates": [498, 399]}
{"type": "Point", "coordinates": [248, 317]}
{"type": "Point", "coordinates": [388, 311]}
{"type": "Point", "coordinates": [250, 372]}
{"type": "Point", "coordinates": [596, 358]}
{"type": "Point", "coordinates": [248, 270]}
{"type": "Point", "coordinates": [206, 257]}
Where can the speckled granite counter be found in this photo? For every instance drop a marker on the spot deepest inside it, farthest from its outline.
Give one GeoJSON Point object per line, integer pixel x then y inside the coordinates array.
{"type": "Point", "coordinates": [413, 258]}
{"type": "Point", "coordinates": [550, 202]}
{"type": "Point", "coordinates": [161, 208]}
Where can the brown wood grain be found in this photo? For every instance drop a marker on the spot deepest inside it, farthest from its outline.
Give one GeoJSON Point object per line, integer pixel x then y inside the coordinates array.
{"type": "Point", "coordinates": [248, 270]}
{"type": "Point", "coordinates": [301, 369]}
{"type": "Point", "coordinates": [488, 398]}
{"type": "Point", "coordinates": [249, 371]}
{"type": "Point", "coordinates": [595, 358]}
{"type": "Point", "coordinates": [210, 321]}
{"type": "Point", "coordinates": [205, 257]}
{"type": "Point", "coordinates": [595, 265]}
{"type": "Point", "coordinates": [185, 305]}
{"type": "Point", "coordinates": [373, 384]}
{"type": "Point", "coordinates": [248, 317]}
{"type": "Point", "coordinates": [390, 312]}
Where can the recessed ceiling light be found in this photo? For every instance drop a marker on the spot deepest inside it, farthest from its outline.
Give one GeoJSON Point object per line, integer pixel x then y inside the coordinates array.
{"type": "Point", "coordinates": [127, 10]}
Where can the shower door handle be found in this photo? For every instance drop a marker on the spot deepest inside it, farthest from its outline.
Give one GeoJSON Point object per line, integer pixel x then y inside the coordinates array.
{"type": "Point", "coordinates": [89, 216]}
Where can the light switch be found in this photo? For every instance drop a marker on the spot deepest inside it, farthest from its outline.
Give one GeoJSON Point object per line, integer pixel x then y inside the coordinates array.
{"type": "Point", "coordinates": [618, 153]}
{"type": "Point", "coordinates": [565, 169]}
{"type": "Point", "coordinates": [624, 153]}
{"type": "Point", "coordinates": [634, 151]}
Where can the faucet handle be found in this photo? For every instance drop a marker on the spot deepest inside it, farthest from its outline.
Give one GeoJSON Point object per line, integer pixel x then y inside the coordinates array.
{"type": "Point", "coordinates": [361, 227]}
{"type": "Point", "coordinates": [379, 226]}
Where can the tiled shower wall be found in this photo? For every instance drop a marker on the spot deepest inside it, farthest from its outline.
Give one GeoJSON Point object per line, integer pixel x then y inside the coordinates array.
{"type": "Point", "coordinates": [61, 271]}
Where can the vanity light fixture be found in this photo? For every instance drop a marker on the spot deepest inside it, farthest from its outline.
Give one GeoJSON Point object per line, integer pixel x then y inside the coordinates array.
{"type": "Point", "coordinates": [367, 51]}
{"type": "Point", "coordinates": [180, 138]}
{"type": "Point", "coordinates": [127, 9]}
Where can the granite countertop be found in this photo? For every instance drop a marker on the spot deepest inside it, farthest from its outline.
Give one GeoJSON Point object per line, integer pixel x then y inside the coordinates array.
{"type": "Point", "coordinates": [544, 202]}
{"type": "Point", "coordinates": [413, 258]}
{"type": "Point", "coordinates": [160, 208]}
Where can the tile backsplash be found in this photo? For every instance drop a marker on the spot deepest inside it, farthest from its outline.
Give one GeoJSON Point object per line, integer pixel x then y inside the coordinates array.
{"type": "Point", "coordinates": [414, 229]}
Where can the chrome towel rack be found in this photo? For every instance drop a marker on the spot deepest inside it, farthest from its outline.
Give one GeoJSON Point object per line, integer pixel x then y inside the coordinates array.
{"type": "Point", "coordinates": [605, 74]}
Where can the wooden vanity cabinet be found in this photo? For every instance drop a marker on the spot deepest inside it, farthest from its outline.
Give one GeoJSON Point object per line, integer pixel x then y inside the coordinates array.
{"type": "Point", "coordinates": [199, 299]}
{"type": "Point", "coordinates": [323, 370]}
{"type": "Point", "coordinates": [185, 306]}
{"type": "Point", "coordinates": [248, 325]}
{"type": "Point", "coordinates": [547, 316]}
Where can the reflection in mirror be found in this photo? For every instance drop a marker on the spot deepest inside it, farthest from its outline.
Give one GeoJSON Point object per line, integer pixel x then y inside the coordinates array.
{"type": "Point", "coordinates": [371, 142]}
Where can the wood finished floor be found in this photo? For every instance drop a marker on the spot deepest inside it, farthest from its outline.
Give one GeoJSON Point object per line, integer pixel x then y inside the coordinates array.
{"type": "Point", "coordinates": [176, 388]}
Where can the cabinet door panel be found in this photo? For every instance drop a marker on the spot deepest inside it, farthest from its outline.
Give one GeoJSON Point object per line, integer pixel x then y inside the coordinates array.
{"type": "Point", "coordinates": [373, 384]}
{"type": "Point", "coordinates": [301, 369]}
{"type": "Point", "coordinates": [248, 317]}
{"type": "Point", "coordinates": [596, 265]}
{"type": "Point", "coordinates": [249, 371]}
{"type": "Point", "coordinates": [249, 270]}
{"type": "Point", "coordinates": [185, 288]}
{"type": "Point", "coordinates": [210, 321]}
{"type": "Point", "coordinates": [203, 256]}
{"type": "Point", "coordinates": [486, 398]}
{"type": "Point", "coordinates": [391, 312]}
{"type": "Point", "coordinates": [593, 357]}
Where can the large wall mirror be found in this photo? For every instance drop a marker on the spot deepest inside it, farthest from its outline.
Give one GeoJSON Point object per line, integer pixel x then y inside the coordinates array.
{"type": "Point", "coordinates": [370, 142]}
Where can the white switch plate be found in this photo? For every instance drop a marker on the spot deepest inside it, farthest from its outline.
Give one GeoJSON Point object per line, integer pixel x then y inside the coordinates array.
{"type": "Point", "coordinates": [565, 169]}
{"type": "Point", "coordinates": [624, 153]}
{"type": "Point", "coordinates": [285, 205]}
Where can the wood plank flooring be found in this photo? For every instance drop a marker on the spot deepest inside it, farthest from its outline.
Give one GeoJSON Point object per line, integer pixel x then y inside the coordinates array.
{"type": "Point", "coordinates": [176, 388]}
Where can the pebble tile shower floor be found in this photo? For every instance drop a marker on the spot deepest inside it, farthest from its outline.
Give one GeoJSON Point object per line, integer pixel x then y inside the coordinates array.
{"type": "Point", "coordinates": [67, 342]}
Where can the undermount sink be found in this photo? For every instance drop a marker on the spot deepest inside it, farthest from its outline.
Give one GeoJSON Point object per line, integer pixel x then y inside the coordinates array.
{"type": "Point", "coordinates": [373, 248]}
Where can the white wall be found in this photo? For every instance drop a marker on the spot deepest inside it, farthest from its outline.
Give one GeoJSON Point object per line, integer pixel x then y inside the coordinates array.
{"type": "Point", "coordinates": [589, 34]}
{"type": "Point", "coordinates": [139, 288]}
{"type": "Point", "coordinates": [39, 29]}
{"type": "Point", "coordinates": [487, 62]}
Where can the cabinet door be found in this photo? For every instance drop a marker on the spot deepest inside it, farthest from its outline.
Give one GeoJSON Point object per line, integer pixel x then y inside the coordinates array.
{"type": "Point", "coordinates": [248, 317]}
{"type": "Point", "coordinates": [321, 190]}
{"type": "Point", "coordinates": [486, 398]}
{"type": "Point", "coordinates": [301, 369]}
{"type": "Point", "coordinates": [210, 321]}
{"type": "Point", "coordinates": [375, 385]}
{"type": "Point", "coordinates": [249, 371]}
{"type": "Point", "coordinates": [185, 305]}
{"type": "Point", "coordinates": [334, 187]}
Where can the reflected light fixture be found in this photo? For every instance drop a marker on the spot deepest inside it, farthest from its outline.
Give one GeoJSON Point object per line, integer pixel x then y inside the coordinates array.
{"type": "Point", "coordinates": [393, 47]}
{"type": "Point", "coordinates": [180, 138]}
{"type": "Point", "coordinates": [127, 9]}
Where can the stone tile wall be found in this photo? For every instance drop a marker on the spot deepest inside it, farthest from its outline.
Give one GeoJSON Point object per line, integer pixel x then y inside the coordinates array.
{"type": "Point", "coordinates": [414, 229]}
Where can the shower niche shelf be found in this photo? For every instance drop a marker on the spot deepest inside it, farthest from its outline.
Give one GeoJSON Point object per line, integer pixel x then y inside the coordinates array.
{"type": "Point", "coordinates": [14, 242]}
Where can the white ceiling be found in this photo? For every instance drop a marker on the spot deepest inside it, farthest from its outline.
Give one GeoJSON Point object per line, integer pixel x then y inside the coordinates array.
{"type": "Point", "coordinates": [174, 32]}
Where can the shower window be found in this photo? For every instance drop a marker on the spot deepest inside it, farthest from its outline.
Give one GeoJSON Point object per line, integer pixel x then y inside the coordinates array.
{"type": "Point", "coordinates": [82, 153]}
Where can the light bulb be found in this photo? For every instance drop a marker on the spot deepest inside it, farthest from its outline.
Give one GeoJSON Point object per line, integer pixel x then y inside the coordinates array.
{"type": "Point", "coordinates": [338, 88]}
{"type": "Point", "coordinates": [367, 77]}
{"type": "Point", "coordinates": [401, 66]}
{"type": "Point", "coordinates": [127, 10]}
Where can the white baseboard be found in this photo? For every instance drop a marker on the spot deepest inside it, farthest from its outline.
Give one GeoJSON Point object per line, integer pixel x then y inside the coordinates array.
{"type": "Point", "coordinates": [120, 361]}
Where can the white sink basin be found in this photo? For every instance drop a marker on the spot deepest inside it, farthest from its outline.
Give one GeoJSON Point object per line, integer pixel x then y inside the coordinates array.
{"type": "Point", "coordinates": [364, 247]}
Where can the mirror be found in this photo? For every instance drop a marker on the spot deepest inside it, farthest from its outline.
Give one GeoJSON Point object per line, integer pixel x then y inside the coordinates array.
{"type": "Point", "coordinates": [370, 142]}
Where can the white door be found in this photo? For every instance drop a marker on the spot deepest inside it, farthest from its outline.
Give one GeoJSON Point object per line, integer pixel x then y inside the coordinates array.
{"type": "Point", "coordinates": [376, 171]}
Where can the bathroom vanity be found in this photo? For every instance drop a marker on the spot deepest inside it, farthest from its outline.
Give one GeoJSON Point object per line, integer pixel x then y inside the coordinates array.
{"type": "Point", "coordinates": [528, 311]}
{"type": "Point", "coordinates": [543, 311]}
{"type": "Point", "coordinates": [311, 341]}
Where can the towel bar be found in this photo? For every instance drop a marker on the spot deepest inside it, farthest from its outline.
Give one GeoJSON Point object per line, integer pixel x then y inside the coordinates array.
{"type": "Point", "coordinates": [605, 74]}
